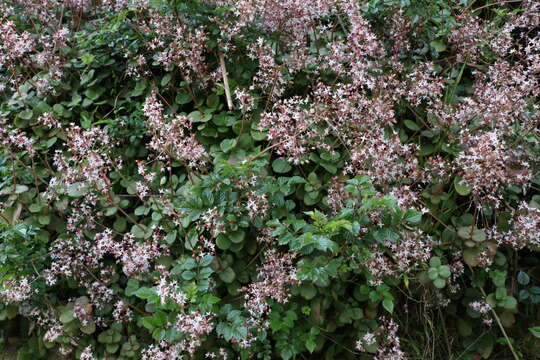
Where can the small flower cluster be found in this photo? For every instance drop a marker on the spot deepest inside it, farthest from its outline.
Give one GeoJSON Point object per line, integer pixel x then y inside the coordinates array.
{"type": "Point", "coordinates": [487, 164]}
{"type": "Point", "coordinates": [195, 325]}
{"type": "Point", "coordinates": [291, 124]}
{"type": "Point", "coordinates": [15, 139]}
{"type": "Point", "coordinates": [468, 37]}
{"type": "Point", "coordinates": [16, 290]}
{"type": "Point", "coordinates": [386, 338]}
{"type": "Point", "coordinates": [171, 136]}
{"type": "Point", "coordinates": [275, 275]}
{"type": "Point", "coordinates": [170, 290]}
{"type": "Point", "coordinates": [483, 308]}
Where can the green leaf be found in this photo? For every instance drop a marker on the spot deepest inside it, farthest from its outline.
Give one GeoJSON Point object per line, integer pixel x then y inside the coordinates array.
{"type": "Point", "coordinates": [281, 166]}
{"type": "Point", "coordinates": [332, 169]}
{"type": "Point", "coordinates": [67, 315]}
{"type": "Point", "coordinates": [444, 271]}
{"type": "Point", "coordinates": [76, 190]}
{"type": "Point", "coordinates": [145, 293]}
{"type": "Point", "coordinates": [58, 109]}
{"type": "Point", "coordinates": [88, 328]}
{"type": "Point", "coordinates": [197, 116]}
{"type": "Point", "coordinates": [34, 208]}
{"type": "Point", "coordinates": [523, 278]}
{"type": "Point", "coordinates": [411, 125]}
{"type": "Point", "coordinates": [140, 231]}
{"type": "Point", "coordinates": [26, 114]}
{"type": "Point", "coordinates": [509, 303]}
{"type": "Point", "coordinates": [171, 237]}
{"type": "Point", "coordinates": [388, 304]}
{"type": "Point", "coordinates": [188, 275]}
{"type": "Point", "coordinates": [311, 345]}
{"type": "Point", "coordinates": [258, 135]}
{"type": "Point", "coordinates": [433, 274]}
{"type": "Point", "coordinates": [87, 58]}
{"type": "Point", "coordinates": [212, 101]}
{"type": "Point", "coordinates": [465, 232]}
{"type": "Point", "coordinates": [308, 291]}
{"type": "Point", "coordinates": [435, 262]}
{"type": "Point", "coordinates": [227, 145]}
{"type": "Point", "coordinates": [166, 79]}
{"type": "Point", "coordinates": [44, 219]}
{"type": "Point", "coordinates": [87, 77]}
{"type": "Point", "coordinates": [112, 348]}
{"type": "Point", "coordinates": [222, 242]}
{"type": "Point", "coordinates": [131, 287]}
{"type": "Point", "coordinates": [237, 236]}
{"type": "Point", "coordinates": [478, 235]}
{"type": "Point", "coordinates": [183, 98]}
{"type": "Point", "coordinates": [507, 318]}
{"type": "Point", "coordinates": [413, 216]}
{"type": "Point", "coordinates": [228, 275]}
{"type": "Point", "coordinates": [438, 45]}
{"type": "Point", "coordinates": [535, 331]}
{"type": "Point", "coordinates": [93, 93]}
{"type": "Point", "coordinates": [461, 188]}
{"type": "Point", "coordinates": [439, 283]}
{"type": "Point", "coordinates": [19, 189]}
{"type": "Point", "coordinates": [120, 224]}
{"type": "Point", "coordinates": [206, 260]}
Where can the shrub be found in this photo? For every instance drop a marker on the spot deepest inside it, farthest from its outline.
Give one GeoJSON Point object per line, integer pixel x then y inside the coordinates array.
{"type": "Point", "coordinates": [269, 179]}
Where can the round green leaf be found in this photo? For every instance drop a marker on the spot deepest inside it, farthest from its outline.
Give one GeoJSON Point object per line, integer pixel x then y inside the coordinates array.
{"type": "Point", "coordinates": [223, 242]}
{"type": "Point", "coordinates": [228, 275]}
{"type": "Point", "coordinates": [281, 166]}
{"type": "Point", "coordinates": [461, 188]}
{"type": "Point", "coordinates": [237, 236]}
{"type": "Point", "coordinates": [439, 283]}
{"type": "Point", "coordinates": [444, 271]}
{"type": "Point", "coordinates": [308, 291]}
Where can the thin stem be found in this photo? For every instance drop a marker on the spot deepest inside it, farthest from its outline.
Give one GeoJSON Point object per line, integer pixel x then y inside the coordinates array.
{"type": "Point", "coordinates": [516, 357]}
{"type": "Point", "coordinates": [225, 80]}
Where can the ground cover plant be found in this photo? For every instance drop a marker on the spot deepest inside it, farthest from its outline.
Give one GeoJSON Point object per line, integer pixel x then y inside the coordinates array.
{"type": "Point", "coordinates": [261, 179]}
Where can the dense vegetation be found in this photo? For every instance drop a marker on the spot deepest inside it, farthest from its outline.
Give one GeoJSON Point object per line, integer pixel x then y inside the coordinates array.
{"type": "Point", "coordinates": [264, 179]}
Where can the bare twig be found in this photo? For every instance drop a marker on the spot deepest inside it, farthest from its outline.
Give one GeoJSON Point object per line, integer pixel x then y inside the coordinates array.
{"type": "Point", "coordinates": [225, 80]}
